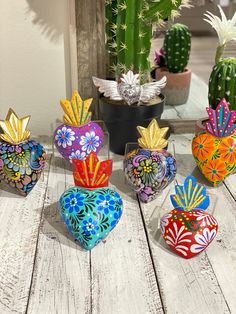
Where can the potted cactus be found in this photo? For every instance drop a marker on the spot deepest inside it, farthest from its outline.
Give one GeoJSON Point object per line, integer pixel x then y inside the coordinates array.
{"type": "Point", "coordinates": [172, 62]}
{"type": "Point", "coordinates": [222, 81]}
{"type": "Point", "coordinates": [129, 34]}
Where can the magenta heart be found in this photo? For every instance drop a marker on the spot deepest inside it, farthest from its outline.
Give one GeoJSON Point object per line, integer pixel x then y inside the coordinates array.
{"type": "Point", "coordinates": [78, 142]}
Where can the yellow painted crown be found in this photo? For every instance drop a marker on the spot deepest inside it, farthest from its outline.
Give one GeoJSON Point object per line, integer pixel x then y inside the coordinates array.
{"type": "Point", "coordinates": [77, 110]}
{"type": "Point", "coordinates": [13, 129]}
{"type": "Point", "coordinates": [152, 137]}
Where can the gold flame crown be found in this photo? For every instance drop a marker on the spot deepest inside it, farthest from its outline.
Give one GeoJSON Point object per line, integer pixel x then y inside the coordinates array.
{"type": "Point", "coordinates": [77, 110]}
{"type": "Point", "coordinates": [14, 130]}
{"type": "Point", "coordinates": [152, 137]}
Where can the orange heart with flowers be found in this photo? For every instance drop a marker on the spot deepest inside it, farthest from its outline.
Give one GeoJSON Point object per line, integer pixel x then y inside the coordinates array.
{"type": "Point", "coordinates": [215, 149]}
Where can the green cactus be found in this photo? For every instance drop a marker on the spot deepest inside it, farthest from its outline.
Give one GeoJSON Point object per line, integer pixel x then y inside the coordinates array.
{"type": "Point", "coordinates": [177, 46]}
{"type": "Point", "coordinates": [222, 83]}
{"type": "Point", "coordinates": [129, 35]}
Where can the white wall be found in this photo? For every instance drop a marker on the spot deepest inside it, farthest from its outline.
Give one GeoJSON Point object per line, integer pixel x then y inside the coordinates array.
{"type": "Point", "coordinates": [34, 60]}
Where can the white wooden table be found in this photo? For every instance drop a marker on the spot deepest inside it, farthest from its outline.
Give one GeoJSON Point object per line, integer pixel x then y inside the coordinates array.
{"type": "Point", "coordinates": [43, 270]}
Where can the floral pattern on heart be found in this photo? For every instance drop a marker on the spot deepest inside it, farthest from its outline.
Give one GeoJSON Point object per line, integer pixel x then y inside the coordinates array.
{"type": "Point", "coordinates": [78, 136]}
{"type": "Point", "coordinates": [21, 165]}
{"type": "Point", "coordinates": [203, 240]}
{"type": "Point", "coordinates": [75, 142]}
{"type": "Point", "coordinates": [187, 233]}
{"type": "Point", "coordinates": [149, 172]}
{"type": "Point", "coordinates": [188, 229]}
{"type": "Point", "coordinates": [215, 149]}
{"type": "Point", "coordinates": [90, 215]}
{"type": "Point", "coordinates": [216, 157]}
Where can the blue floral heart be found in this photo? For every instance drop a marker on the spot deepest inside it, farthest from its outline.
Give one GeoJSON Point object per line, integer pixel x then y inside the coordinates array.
{"type": "Point", "coordinates": [90, 215]}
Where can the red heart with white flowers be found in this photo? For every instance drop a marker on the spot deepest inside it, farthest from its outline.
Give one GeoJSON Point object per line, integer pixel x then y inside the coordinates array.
{"type": "Point", "coordinates": [188, 233]}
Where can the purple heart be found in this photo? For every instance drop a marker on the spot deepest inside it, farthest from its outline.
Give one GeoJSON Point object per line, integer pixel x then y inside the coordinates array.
{"type": "Point", "coordinates": [78, 142]}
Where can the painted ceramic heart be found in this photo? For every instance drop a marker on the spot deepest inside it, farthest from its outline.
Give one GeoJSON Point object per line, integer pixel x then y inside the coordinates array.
{"type": "Point", "coordinates": [188, 233]}
{"type": "Point", "coordinates": [78, 136]}
{"type": "Point", "coordinates": [188, 229]}
{"type": "Point", "coordinates": [149, 172]}
{"type": "Point", "coordinates": [215, 149]}
{"type": "Point", "coordinates": [21, 165]}
{"type": "Point", "coordinates": [215, 157]}
{"type": "Point", "coordinates": [90, 215]}
{"type": "Point", "coordinates": [78, 142]}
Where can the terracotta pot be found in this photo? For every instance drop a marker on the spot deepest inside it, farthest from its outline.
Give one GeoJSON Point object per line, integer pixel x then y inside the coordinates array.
{"type": "Point", "coordinates": [177, 87]}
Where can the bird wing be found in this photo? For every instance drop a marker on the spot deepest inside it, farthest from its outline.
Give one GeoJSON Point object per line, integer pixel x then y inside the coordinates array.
{"type": "Point", "coordinates": [150, 90]}
{"type": "Point", "coordinates": [108, 88]}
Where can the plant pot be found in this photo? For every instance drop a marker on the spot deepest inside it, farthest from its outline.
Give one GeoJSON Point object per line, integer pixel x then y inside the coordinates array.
{"type": "Point", "coordinates": [122, 120]}
{"type": "Point", "coordinates": [177, 87]}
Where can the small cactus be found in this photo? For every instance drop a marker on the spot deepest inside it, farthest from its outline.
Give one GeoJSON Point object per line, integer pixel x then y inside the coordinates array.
{"type": "Point", "coordinates": [222, 83]}
{"type": "Point", "coordinates": [177, 46]}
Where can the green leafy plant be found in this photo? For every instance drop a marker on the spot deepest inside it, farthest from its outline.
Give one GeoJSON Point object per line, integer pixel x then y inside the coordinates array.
{"type": "Point", "coordinates": [129, 31]}
{"type": "Point", "coordinates": [177, 46]}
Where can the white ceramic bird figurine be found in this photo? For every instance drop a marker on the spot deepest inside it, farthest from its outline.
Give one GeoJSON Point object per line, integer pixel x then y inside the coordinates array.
{"type": "Point", "coordinates": [129, 89]}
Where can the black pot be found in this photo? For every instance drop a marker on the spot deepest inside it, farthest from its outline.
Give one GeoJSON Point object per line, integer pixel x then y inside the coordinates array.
{"type": "Point", "coordinates": [122, 121]}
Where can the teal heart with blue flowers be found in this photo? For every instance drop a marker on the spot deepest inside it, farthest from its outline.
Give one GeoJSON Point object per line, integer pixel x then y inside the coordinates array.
{"type": "Point", "coordinates": [90, 215]}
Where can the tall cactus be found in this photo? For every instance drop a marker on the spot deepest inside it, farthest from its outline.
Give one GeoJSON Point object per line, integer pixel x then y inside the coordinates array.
{"type": "Point", "coordinates": [222, 83]}
{"type": "Point", "coordinates": [132, 31]}
{"type": "Point", "coordinates": [177, 46]}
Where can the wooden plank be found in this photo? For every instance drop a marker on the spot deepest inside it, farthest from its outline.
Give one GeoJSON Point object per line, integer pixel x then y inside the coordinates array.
{"type": "Point", "coordinates": [61, 279]}
{"type": "Point", "coordinates": [19, 225]}
{"type": "Point", "coordinates": [230, 184]}
{"type": "Point", "coordinates": [118, 266]}
{"type": "Point", "coordinates": [123, 279]}
{"type": "Point", "coordinates": [90, 20]}
{"type": "Point", "coordinates": [222, 254]}
{"type": "Point", "coordinates": [204, 284]}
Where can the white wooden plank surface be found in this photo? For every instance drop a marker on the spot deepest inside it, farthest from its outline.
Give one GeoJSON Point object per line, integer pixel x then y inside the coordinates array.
{"type": "Point", "coordinates": [206, 283]}
{"type": "Point", "coordinates": [195, 108]}
{"type": "Point", "coordinates": [118, 275]}
{"type": "Point", "coordinates": [19, 223]}
{"type": "Point", "coordinates": [123, 278]}
{"type": "Point", "coordinates": [121, 267]}
{"type": "Point", "coordinates": [230, 183]}
{"type": "Point", "coordinates": [61, 281]}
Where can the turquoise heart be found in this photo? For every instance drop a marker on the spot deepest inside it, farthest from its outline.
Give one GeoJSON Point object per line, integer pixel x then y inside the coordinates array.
{"type": "Point", "coordinates": [90, 215]}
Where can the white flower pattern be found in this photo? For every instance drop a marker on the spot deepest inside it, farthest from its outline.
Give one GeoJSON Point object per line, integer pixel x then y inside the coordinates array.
{"type": "Point", "coordinates": [77, 155]}
{"type": "Point", "coordinates": [177, 239]}
{"type": "Point", "coordinates": [205, 219]}
{"type": "Point", "coordinates": [164, 222]}
{"type": "Point", "coordinates": [203, 240]}
{"type": "Point", "coordinates": [89, 142]}
{"type": "Point", "coordinates": [65, 137]}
